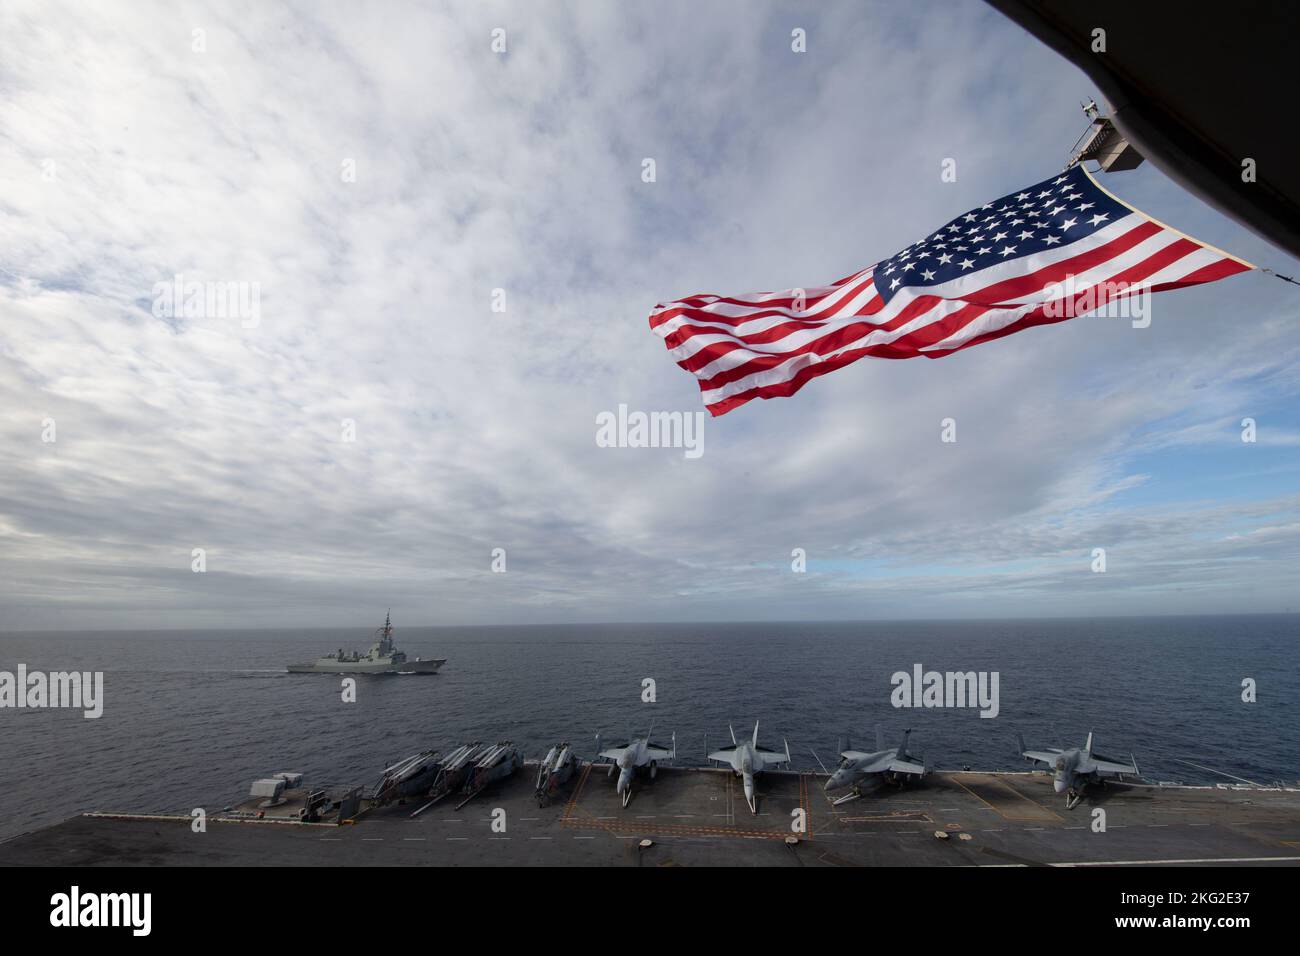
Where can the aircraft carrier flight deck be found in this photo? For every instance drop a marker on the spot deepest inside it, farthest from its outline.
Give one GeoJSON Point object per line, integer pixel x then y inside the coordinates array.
{"type": "Point", "coordinates": [698, 816]}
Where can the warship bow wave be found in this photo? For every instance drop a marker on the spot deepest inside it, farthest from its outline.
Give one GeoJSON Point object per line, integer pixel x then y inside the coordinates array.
{"type": "Point", "coordinates": [380, 659]}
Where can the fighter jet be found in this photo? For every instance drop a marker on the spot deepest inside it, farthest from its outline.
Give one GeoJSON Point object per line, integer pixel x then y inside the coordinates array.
{"type": "Point", "coordinates": [865, 771]}
{"type": "Point", "coordinates": [639, 752]}
{"type": "Point", "coordinates": [554, 771]}
{"type": "Point", "coordinates": [748, 759]}
{"type": "Point", "coordinates": [1075, 768]}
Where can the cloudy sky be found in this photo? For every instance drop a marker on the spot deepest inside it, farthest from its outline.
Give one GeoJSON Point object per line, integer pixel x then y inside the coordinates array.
{"type": "Point", "coordinates": [375, 171]}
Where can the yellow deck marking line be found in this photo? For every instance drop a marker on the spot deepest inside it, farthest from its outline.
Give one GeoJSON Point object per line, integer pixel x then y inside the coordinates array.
{"type": "Point", "coordinates": [575, 817]}
{"type": "Point", "coordinates": [1033, 803]}
{"type": "Point", "coordinates": [893, 816]}
{"type": "Point", "coordinates": [731, 802]}
{"type": "Point", "coordinates": [573, 799]}
{"type": "Point", "coordinates": [674, 829]}
{"type": "Point", "coordinates": [585, 820]}
{"type": "Point", "coordinates": [805, 803]}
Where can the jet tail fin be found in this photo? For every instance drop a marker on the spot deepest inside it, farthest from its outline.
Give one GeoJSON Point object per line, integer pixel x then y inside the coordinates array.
{"type": "Point", "coordinates": [788, 761]}
{"type": "Point", "coordinates": [845, 744]}
{"type": "Point", "coordinates": [880, 739]}
{"type": "Point", "coordinates": [756, 734]}
{"type": "Point", "coordinates": [1020, 743]}
{"type": "Point", "coordinates": [1087, 747]}
{"type": "Point", "coordinates": [902, 748]}
{"type": "Point", "coordinates": [733, 735]}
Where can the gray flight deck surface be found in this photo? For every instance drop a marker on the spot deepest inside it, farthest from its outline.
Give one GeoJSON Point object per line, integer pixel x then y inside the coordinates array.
{"type": "Point", "coordinates": [697, 817]}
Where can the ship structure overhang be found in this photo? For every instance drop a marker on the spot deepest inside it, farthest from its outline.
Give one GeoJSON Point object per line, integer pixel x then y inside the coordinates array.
{"type": "Point", "coordinates": [1203, 94]}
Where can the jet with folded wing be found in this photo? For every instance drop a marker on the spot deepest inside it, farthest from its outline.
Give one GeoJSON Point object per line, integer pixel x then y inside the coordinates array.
{"type": "Point", "coordinates": [748, 759]}
{"type": "Point", "coordinates": [638, 752]}
{"type": "Point", "coordinates": [862, 771]}
{"type": "Point", "coordinates": [1076, 768]}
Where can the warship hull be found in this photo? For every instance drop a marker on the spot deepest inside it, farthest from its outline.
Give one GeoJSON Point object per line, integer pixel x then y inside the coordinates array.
{"type": "Point", "coordinates": [367, 667]}
{"type": "Point", "coordinates": [382, 658]}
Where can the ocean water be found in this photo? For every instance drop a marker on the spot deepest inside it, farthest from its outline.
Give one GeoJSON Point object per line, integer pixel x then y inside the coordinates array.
{"type": "Point", "coordinates": [191, 718]}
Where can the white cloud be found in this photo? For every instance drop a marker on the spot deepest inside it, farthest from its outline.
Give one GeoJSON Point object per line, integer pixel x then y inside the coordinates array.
{"type": "Point", "coordinates": [475, 429]}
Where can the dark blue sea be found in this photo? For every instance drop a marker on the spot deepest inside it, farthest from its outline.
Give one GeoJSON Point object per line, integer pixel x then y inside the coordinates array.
{"type": "Point", "coordinates": [191, 718]}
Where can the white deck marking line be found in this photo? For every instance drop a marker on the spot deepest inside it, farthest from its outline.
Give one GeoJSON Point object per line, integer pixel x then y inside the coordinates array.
{"type": "Point", "coordinates": [457, 838]}
{"type": "Point", "coordinates": [1228, 859]}
{"type": "Point", "coordinates": [539, 838]}
{"type": "Point", "coordinates": [412, 839]}
{"type": "Point", "coordinates": [584, 838]}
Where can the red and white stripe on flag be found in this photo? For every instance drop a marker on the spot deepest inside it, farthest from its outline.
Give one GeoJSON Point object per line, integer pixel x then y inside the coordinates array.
{"type": "Point", "coordinates": [1058, 249]}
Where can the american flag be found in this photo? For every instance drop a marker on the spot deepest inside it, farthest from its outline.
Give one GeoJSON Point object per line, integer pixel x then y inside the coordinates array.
{"type": "Point", "coordinates": [1038, 256]}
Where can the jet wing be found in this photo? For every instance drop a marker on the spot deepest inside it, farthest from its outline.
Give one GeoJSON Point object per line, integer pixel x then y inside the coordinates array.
{"type": "Point", "coordinates": [1043, 756]}
{"type": "Point", "coordinates": [1103, 765]}
{"type": "Point", "coordinates": [724, 755]}
{"type": "Point", "coordinates": [854, 755]}
{"type": "Point", "coordinates": [772, 757]}
{"type": "Point", "coordinates": [658, 752]}
{"type": "Point", "coordinates": [614, 753]}
{"type": "Point", "coordinates": [907, 766]}
{"type": "Point", "coordinates": [879, 765]}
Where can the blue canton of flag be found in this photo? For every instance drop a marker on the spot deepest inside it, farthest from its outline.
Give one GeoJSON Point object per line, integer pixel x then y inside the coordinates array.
{"type": "Point", "coordinates": [1052, 214]}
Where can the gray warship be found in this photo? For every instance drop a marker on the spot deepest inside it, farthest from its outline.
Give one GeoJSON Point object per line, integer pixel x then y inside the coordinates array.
{"type": "Point", "coordinates": [380, 659]}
